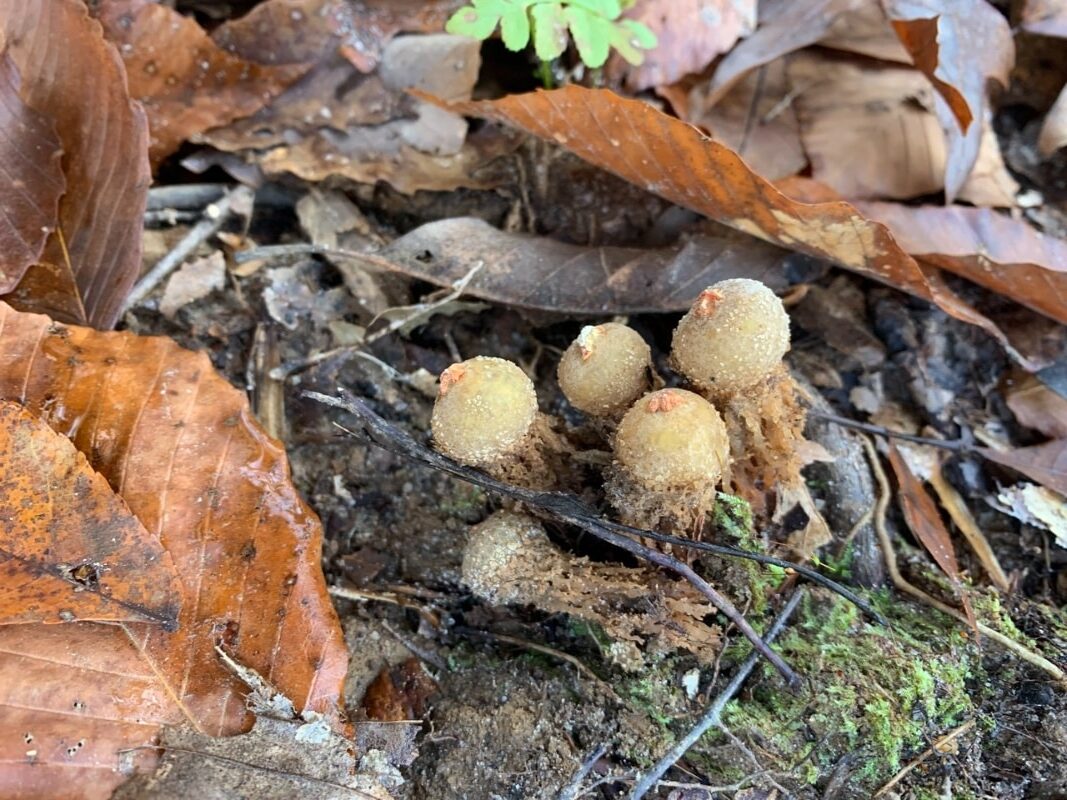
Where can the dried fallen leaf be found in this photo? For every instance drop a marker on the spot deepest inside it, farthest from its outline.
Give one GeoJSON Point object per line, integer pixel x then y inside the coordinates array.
{"type": "Point", "coordinates": [1037, 406]}
{"type": "Point", "coordinates": [690, 34]}
{"type": "Point", "coordinates": [785, 26]}
{"type": "Point", "coordinates": [549, 275]}
{"type": "Point", "coordinates": [924, 520]}
{"type": "Point", "coordinates": [1047, 17]}
{"type": "Point", "coordinates": [33, 179]}
{"type": "Point", "coordinates": [1037, 506]}
{"type": "Point", "coordinates": [178, 444]}
{"type": "Point", "coordinates": [960, 47]}
{"type": "Point", "coordinates": [69, 547]}
{"type": "Point", "coordinates": [1003, 254]}
{"type": "Point", "coordinates": [1053, 134]}
{"type": "Point", "coordinates": [754, 118]}
{"type": "Point", "coordinates": [867, 127]}
{"type": "Point", "coordinates": [399, 693]}
{"type": "Point", "coordinates": [77, 705]}
{"type": "Point", "coordinates": [674, 160]}
{"type": "Point", "coordinates": [337, 122]}
{"type": "Point", "coordinates": [92, 260]}
{"type": "Point", "coordinates": [1044, 463]}
{"type": "Point", "coordinates": [185, 81]}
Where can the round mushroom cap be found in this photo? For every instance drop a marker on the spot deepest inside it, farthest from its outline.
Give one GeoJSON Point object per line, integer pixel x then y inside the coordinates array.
{"type": "Point", "coordinates": [672, 439]}
{"type": "Point", "coordinates": [605, 369]}
{"type": "Point", "coordinates": [733, 337]}
{"type": "Point", "coordinates": [484, 410]}
{"type": "Point", "coordinates": [493, 561]}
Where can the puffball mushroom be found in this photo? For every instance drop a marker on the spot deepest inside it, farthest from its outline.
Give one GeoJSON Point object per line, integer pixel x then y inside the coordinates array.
{"type": "Point", "coordinates": [606, 369]}
{"type": "Point", "coordinates": [671, 451]}
{"type": "Point", "coordinates": [486, 417]}
{"type": "Point", "coordinates": [733, 337]}
{"type": "Point", "coordinates": [510, 559]}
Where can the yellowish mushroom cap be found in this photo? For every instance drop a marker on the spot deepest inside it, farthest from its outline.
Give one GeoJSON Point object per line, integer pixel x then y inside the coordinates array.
{"type": "Point", "coordinates": [484, 410]}
{"type": "Point", "coordinates": [733, 337]}
{"type": "Point", "coordinates": [605, 369]}
{"type": "Point", "coordinates": [672, 439]}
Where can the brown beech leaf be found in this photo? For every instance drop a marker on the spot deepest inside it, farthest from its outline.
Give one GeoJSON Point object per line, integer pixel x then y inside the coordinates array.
{"type": "Point", "coordinates": [1047, 17]}
{"type": "Point", "coordinates": [785, 26]}
{"type": "Point", "coordinates": [753, 118]}
{"type": "Point", "coordinates": [72, 76]}
{"type": "Point", "coordinates": [1003, 254]}
{"type": "Point", "coordinates": [69, 548]}
{"type": "Point", "coordinates": [32, 179]}
{"type": "Point", "coordinates": [185, 81]}
{"type": "Point", "coordinates": [960, 47]}
{"type": "Point", "coordinates": [1044, 463]}
{"type": "Point", "coordinates": [674, 160]}
{"type": "Point", "coordinates": [690, 34]}
{"type": "Point", "coordinates": [80, 710]}
{"type": "Point", "coordinates": [545, 274]}
{"type": "Point", "coordinates": [179, 445]}
{"type": "Point", "coordinates": [1037, 406]}
{"type": "Point", "coordinates": [1053, 134]}
{"type": "Point", "coordinates": [924, 520]}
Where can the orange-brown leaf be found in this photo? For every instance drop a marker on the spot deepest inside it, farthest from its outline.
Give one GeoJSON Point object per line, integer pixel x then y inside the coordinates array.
{"type": "Point", "coordinates": [80, 710]}
{"type": "Point", "coordinates": [179, 444]}
{"type": "Point", "coordinates": [185, 81]}
{"type": "Point", "coordinates": [674, 160]}
{"type": "Point", "coordinates": [924, 520]}
{"type": "Point", "coordinates": [72, 76]}
{"type": "Point", "coordinates": [69, 548]}
{"type": "Point", "coordinates": [32, 180]}
{"type": "Point", "coordinates": [1003, 254]}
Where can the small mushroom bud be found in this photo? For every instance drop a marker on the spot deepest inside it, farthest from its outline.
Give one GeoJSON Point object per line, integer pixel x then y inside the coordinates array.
{"type": "Point", "coordinates": [606, 369]}
{"type": "Point", "coordinates": [733, 337]}
{"type": "Point", "coordinates": [671, 450]}
{"type": "Point", "coordinates": [510, 559]}
{"type": "Point", "coordinates": [486, 417]}
{"type": "Point", "coordinates": [484, 411]}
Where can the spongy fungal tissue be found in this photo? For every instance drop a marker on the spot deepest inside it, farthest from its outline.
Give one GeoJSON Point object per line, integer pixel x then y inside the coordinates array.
{"type": "Point", "coordinates": [733, 425]}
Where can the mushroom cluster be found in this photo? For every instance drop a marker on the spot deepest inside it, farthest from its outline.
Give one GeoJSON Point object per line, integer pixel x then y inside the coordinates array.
{"type": "Point", "coordinates": [735, 424]}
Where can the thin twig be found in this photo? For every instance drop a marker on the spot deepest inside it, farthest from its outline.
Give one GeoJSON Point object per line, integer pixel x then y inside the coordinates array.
{"type": "Point", "coordinates": [955, 445]}
{"type": "Point", "coordinates": [565, 508]}
{"type": "Point", "coordinates": [902, 583]}
{"type": "Point", "coordinates": [937, 747]}
{"type": "Point", "coordinates": [714, 712]}
{"type": "Point", "coordinates": [215, 217]}
{"type": "Point", "coordinates": [574, 786]}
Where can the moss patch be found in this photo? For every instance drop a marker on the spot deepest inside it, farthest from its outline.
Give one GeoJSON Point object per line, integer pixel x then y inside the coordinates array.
{"type": "Point", "coordinates": [882, 693]}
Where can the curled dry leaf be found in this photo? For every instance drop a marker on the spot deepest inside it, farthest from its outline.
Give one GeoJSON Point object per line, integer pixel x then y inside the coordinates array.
{"type": "Point", "coordinates": [674, 160]}
{"type": "Point", "coordinates": [33, 179]}
{"type": "Point", "coordinates": [178, 444]}
{"type": "Point", "coordinates": [690, 35]}
{"type": "Point", "coordinates": [1037, 406]}
{"type": "Point", "coordinates": [960, 47]}
{"type": "Point", "coordinates": [998, 252]}
{"type": "Point", "coordinates": [90, 263]}
{"type": "Point", "coordinates": [184, 80]}
{"type": "Point", "coordinates": [69, 547]}
{"type": "Point", "coordinates": [541, 273]}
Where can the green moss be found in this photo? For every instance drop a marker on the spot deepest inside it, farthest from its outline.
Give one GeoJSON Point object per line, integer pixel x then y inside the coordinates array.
{"type": "Point", "coordinates": [732, 519]}
{"type": "Point", "coordinates": [881, 692]}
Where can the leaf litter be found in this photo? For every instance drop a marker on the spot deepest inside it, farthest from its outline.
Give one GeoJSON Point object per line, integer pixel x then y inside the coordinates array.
{"type": "Point", "coordinates": [532, 250]}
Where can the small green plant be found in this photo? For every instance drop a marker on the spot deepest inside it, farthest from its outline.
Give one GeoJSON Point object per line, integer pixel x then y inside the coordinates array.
{"type": "Point", "coordinates": [594, 25]}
